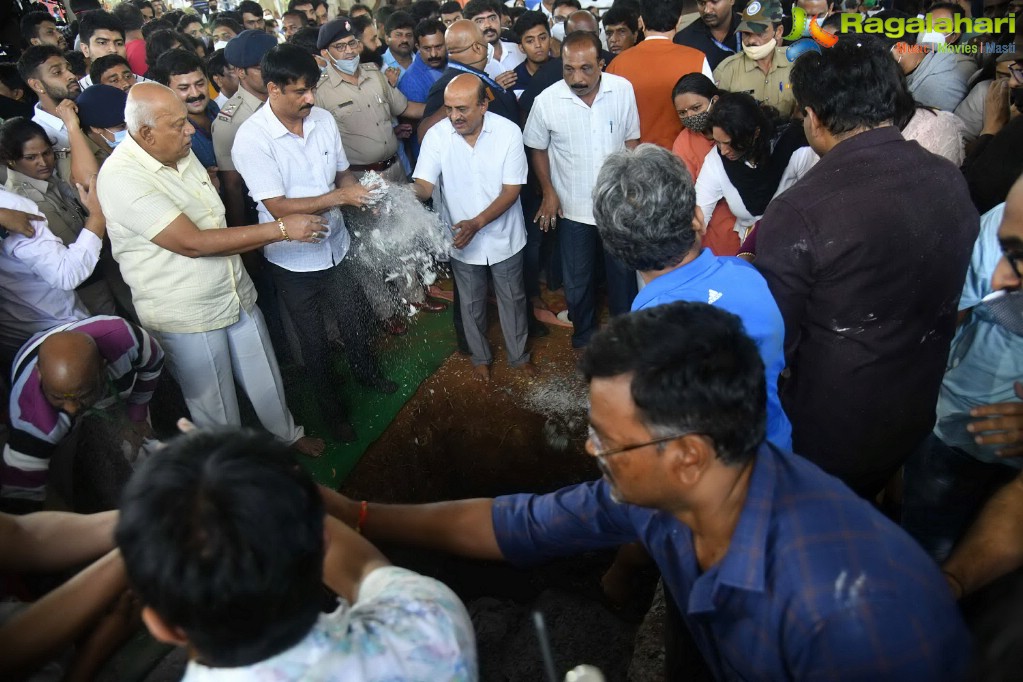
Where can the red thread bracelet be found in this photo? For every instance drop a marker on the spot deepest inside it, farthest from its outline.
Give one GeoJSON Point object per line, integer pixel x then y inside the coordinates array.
{"type": "Point", "coordinates": [363, 513]}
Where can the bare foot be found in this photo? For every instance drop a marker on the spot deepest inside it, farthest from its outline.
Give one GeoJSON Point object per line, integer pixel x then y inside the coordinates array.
{"type": "Point", "coordinates": [307, 445]}
{"type": "Point", "coordinates": [538, 303]}
{"type": "Point", "coordinates": [481, 373]}
{"type": "Point", "coordinates": [529, 369]}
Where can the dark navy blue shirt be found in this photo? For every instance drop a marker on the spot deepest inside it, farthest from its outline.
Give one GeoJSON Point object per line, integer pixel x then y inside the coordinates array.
{"type": "Point", "coordinates": [733, 285]}
{"type": "Point", "coordinates": [816, 583]}
{"type": "Point", "coordinates": [697, 35]}
{"type": "Point", "coordinates": [202, 142]}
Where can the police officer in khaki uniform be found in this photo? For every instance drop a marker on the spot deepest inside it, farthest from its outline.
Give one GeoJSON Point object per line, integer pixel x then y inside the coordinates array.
{"type": "Point", "coordinates": [761, 69]}
{"type": "Point", "coordinates": [363, 103]}
{"type": "Point", "coordinates": [242, 53]}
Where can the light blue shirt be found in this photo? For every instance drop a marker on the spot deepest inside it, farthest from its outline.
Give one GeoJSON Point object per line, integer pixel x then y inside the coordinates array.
{"type": "Point", "coordinates": [985, 358]}
{"type": "Point", "coordinates": [734, 285]}
{"type": "Point", "coordinates": [275, 162]}
{"type": "Point", "coordinates": [390, 61]}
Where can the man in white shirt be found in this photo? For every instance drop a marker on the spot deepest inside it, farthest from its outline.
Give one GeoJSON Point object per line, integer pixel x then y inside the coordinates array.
{"type": "Point", "coordinates": [38, 275]}
{"type": "Point", "coordinates": [573, 126]}
{"type": "Point", "coordinates": [290, 156]}
{"type": "Point", "coordinates": [478, 160]}
{"type": "Point", "coordinates": [226, 542]}
{"type": "Point", "coordinates": [188, 285]}
{"type": "Point", "coordinates": [504, 56]}
{"type": "Point", "coordinates": [47, 72]}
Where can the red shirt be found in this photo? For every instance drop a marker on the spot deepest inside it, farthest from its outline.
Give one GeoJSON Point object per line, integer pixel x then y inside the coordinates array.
{"type": "Point", "coordinates": [135, 51]}
{"type": "Point", "coordinates": [653, 67]}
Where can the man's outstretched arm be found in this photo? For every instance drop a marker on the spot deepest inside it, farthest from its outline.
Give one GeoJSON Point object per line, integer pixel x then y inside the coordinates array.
{"type": "Point", "coordinates": [462, 527]}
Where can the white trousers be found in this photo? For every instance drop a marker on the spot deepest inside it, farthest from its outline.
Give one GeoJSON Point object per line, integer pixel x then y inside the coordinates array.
{"type": "Point", "coordinates": [207, 364]}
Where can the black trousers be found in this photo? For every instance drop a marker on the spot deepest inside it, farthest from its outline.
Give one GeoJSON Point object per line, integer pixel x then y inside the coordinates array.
{"type": "Point", "coordinates": [311, 299]}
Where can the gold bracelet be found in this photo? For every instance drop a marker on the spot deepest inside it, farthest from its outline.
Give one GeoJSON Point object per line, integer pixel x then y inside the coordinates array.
{"type": "Point", "coordinates": [284, 232]}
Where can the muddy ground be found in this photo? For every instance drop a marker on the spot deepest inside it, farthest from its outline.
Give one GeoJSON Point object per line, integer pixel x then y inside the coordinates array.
{"type": "Point", "coordinates": [457, 438]}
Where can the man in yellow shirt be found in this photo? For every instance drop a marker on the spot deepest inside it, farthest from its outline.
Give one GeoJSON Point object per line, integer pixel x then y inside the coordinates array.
{"type": "Point", "coordinates": [169, 235]}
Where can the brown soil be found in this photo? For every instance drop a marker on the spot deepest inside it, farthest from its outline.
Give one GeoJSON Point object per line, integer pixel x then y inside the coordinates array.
{"type": "Point", "coordinates": [458, 438]}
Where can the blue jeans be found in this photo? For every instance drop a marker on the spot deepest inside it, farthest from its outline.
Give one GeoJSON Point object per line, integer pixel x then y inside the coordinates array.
{"type": "Point", "coordinates": [580, 249]}
{"type": "Point", "coordinates": [944, 491]}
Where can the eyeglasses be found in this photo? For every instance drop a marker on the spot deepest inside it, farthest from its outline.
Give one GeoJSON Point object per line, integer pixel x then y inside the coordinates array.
{"type": "Point", "coordinates": [1016, 71]}
{"type": "Point", "coordinates": [600, 453]}
{"type": "Point", "coordinates": [352, 45]}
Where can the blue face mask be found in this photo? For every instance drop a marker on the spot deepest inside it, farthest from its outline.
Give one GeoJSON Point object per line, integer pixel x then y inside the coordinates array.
{"type": "Point", "coordinates": [118, 137]}
{"type": "Point", "coordinates": [347, 66]}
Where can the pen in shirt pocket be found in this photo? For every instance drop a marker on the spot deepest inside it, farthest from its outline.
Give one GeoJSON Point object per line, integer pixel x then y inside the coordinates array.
{"type": "Point", "coordinates": [612, 124]}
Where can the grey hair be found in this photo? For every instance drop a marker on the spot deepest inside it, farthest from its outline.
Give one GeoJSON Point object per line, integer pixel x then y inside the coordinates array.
{"type": "Point", "coordinates": [643, 203]}
{"type": "Point", "coordinates": [139, 111]}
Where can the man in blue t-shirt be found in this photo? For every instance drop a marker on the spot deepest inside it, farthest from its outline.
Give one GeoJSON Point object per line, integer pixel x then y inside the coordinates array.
{"type": "Point", "coordinates": [429, 63]}
{"type": "Point", "coordinates": [645, 207]}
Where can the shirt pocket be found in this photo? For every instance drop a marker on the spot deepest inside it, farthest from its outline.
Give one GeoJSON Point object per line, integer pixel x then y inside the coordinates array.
{"type": "Point", "coordinates": [345, 111]}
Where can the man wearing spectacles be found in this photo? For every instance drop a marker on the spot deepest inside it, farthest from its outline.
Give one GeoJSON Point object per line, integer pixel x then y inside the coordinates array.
{"type": "Point", "coordinates": [504, 56]}
{"type": "Point", "coordinates": [778, 570]}
{"type": "Point", "coordinates": [995, 160]}
{"type": "Point", "coordinates": [975, 450]}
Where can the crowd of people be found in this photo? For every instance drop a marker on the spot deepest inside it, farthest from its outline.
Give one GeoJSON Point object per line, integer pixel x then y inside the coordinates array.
{"type": "Point", "coordinates": [793, 278]}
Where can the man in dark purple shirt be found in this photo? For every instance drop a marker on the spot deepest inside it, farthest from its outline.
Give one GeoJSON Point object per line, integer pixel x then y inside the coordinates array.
{"type": "Point", "coordinates": [866, 257]}
{"type": "Point", "coordinates": [58, 376]}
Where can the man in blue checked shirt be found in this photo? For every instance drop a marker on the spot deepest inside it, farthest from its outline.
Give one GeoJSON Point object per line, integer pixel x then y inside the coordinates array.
{"type": "Point", "coordinates": [780, 572]}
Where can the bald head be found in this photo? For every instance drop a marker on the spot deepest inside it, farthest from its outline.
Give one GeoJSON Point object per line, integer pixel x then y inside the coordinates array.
{"type": "Point", "coordinates": [71, 371]}
{"type": "Point", "coordinates": [158, 121]}
{"type": "Point", "coordinates": [465, 98]}
{"type": "Point", "coordinates": [581, 20]}
{"type": "Point", "coordinates": [147, 103]}
{"type": "Point", "coordinates": [466, 44]}
{"type": "Point", "coordinates": [466, 85]}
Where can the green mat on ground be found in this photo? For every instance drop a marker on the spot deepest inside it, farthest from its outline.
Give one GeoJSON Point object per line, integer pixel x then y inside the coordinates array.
{"type": "Point", "coordinates": [407, 360]}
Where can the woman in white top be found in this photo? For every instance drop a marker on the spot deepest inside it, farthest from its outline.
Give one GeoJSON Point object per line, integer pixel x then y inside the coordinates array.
{"type": "Point", "coordinates": [31, 172]}
{"type": "Point", "coordinates": [752, 161]}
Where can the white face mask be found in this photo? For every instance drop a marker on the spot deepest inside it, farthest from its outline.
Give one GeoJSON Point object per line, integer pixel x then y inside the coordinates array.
{"type": "Point", "coordinates": [932, 38]}
{"type": "Point", "coordinates": [756, 52]}
{"type": "Point", "coordinates": [219, 44]}
{"type": "Point", "coordinates": [558, 32]}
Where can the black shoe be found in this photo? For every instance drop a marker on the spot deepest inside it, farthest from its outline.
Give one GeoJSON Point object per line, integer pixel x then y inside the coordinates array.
{"type": "Point", "coordinates": [343, 430]}
{"type": "Point", "coordinates": [380, 383]}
